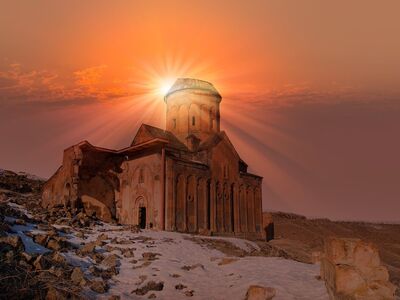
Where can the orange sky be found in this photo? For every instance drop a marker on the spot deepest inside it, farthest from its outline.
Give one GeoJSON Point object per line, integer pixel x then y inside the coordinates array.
{"type": "Point", "coordinates": [310, 88]}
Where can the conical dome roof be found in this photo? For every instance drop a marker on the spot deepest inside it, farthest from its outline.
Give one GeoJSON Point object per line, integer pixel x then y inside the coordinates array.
{"type": "Point", "coordinates": [192, 84]}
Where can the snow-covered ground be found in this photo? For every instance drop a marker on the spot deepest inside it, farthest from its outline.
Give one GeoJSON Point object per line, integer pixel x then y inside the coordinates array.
{"type": "Point", "coordinates": [199, 268]}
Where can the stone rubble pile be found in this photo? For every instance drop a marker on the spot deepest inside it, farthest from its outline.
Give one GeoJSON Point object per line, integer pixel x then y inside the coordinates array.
{"type": "Point", "coordinates": [352, 270]}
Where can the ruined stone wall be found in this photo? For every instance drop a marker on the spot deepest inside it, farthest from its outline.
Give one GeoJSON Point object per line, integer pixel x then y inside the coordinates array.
{"type": "Point", "coordinates": [98, 182]}
{"type": "Point", "coordinates": [62, 188]}
{"type": "Point", "coordinates": [141, 186]}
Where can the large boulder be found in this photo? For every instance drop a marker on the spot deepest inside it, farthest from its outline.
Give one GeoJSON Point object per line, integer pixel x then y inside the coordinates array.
{"type": "Point", "coordinates": [257, 292]}
{"type": "Point", "coordinates": [351, 269]}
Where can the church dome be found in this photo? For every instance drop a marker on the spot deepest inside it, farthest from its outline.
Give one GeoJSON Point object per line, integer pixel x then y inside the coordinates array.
{"type": "Point", "coordinates": [192, 84]}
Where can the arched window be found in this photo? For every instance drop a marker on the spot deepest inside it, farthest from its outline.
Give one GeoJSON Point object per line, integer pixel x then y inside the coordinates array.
{"type": "Point", "coordinates": [141, 176]}
{"type": "Point", "coordinates": [193, 121]}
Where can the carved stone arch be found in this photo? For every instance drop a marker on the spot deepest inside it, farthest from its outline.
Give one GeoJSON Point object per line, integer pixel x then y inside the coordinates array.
{"type": "Point", "coordinates": [173, 117]}
{"type": "Point", "coordinates": [141, 211]}
{"type": "Point", "coordinates": [194, 116]}
{"type": "Point", "coordinates": [142, 172]}
{"type": "Point", "coordinates": [204, 117]}
{"type": "Point", "coordinates": [213, 119]}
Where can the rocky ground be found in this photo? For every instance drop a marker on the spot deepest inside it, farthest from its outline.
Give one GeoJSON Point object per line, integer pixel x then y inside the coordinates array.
{"type": "Point", "coordinates": [300, 237]}
{"type": "Point", "coordinates": [62, 253]}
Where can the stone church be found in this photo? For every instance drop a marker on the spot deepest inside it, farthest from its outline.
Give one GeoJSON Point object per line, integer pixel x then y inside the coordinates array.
{"type": "Point", "coordinates": [187, 178]}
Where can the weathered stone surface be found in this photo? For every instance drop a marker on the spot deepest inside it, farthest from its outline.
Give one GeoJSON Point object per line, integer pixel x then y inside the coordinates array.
{"type": "Point", "coordinates": [128, 253]}
{"type": "Point", "coordinates": [102, 237]}
{"type": "Point", "coordinates": [40, 239]}
{"type": "Point", "coordinates": [12, 240]}
{"type": "Point", "coordinates": [54, 294]}
{"type": "Point", "coordinates": [351, 252]}
{"type": "Point", "coordinates": [77, 275]}
{"type": "Point", "coordinates": [40, 263]}
{"type": "Point", "coordinates": [99, 286]}
{"type": "Point", "coordinates": [256, 292]}
{"type": "Point", "coordinates": [376, 290]}
{"type": "Point", "coordinates": [351, 270]}
{"type": "Point", "coordinates": [54, 245]}
{"type": "Point", "coordinates": [111, 261]}
{"type": "Point", "coordinates": [58, 258]}
{"type": "Point", "coordinates": [88, 248]}
{"type": "Point", "coordinates": [150, 286]}
{"type": "Point", "coordinates": [150, 256]}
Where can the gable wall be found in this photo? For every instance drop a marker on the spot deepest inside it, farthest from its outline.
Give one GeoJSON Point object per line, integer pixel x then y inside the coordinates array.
{"type": "Point", "coordinates": [136, 192]}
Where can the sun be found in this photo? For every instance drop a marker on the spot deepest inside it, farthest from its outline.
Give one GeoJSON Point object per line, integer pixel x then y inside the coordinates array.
{"type": "Point", "coordinates": [165, 85]}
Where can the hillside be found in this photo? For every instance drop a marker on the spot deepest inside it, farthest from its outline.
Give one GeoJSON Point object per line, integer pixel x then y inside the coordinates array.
{"type": "Point", "coordinates": [61, 252]}
{"type": "Point", "coordinates": [300, 237]}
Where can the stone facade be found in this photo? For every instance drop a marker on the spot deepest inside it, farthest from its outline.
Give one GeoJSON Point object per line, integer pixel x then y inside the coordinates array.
{"type": "Point", "coordinates": [188, 178]}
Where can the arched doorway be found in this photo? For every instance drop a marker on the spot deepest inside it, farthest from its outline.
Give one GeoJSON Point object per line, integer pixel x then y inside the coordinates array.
{"type": "Point", "coordinates": [142, 217]}
{"type": "Point", "coordinates": [140, 212]}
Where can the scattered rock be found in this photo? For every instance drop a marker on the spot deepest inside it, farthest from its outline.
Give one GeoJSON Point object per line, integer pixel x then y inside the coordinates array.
{"type": "Point", "coordinates": [55, 294]}
{"type": "Point", "coordinates": [77, 275]}
{"type": "Point", "coordinates": [150, 286]}
{"type": "Point", "coordinates": [188, 268]}
{"type": "Point", "coordinates": [54, 245]}
{"type": "Point", "coordinates": [102, 237]}
{"type": "Point", "coordinates": [58, 258]}
{"type": "Point", "coordinates": [150, 256]}
{"type": "Point", "coordinates": [351, 269]}
{"type": "Point", "coordinates": [99, 286]}
{"type": "Point", "coordinates": [152, 296]}
{"type": "Point", "coordinates": [88, 248]}
{"type": "Point", "coordinates": [40, 263]}
{"type": "Point", "coordinates": [80, 234]}
{"type": "Point", "coordinates": [20, 222]}
{"type": "Point", "coordinates": [128, 253]}
{"type": "Point", "coordinates": [111, 261]}
{"type": "Point", "coordinates": [26, 256]}
{"type": "Point", "coordinates": [227, 260]}
{"type": "Point", "coordinates": [40, 239]}
{"type": "Point", "coordinates": [189, 293]}
{"type": "Point", "coordinates": [257, 292]}
{"type": "Point", "coordinates": [13, 240]}
{"type": "Point", "coordinates": [180, 286]}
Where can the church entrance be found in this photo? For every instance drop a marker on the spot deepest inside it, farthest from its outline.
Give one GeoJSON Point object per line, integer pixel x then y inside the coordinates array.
{"type": "Point", "coordinates": [142, 217]}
